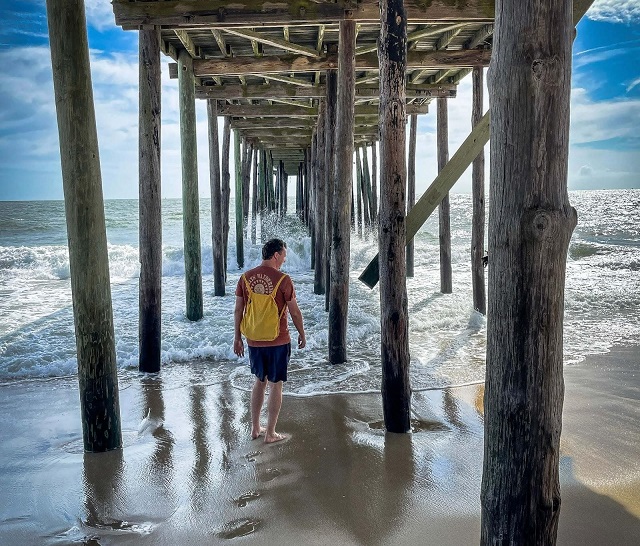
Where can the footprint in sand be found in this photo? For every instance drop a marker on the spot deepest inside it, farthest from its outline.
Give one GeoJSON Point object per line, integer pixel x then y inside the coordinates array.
{"type": "Point", "coordinates": [239, 528]}
{"type": "Point", "coordinates": [251, 457]}
{"type": "Point", "coordinates": [271, 474]}
{"type": "Point", "coordinates": [245, 498]}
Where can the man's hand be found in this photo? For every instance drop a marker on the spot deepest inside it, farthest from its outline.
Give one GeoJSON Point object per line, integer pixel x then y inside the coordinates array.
{"type": "Point", "coordinates": [238, 346]}
{"type": "Point", "coordinates": [302, 341]}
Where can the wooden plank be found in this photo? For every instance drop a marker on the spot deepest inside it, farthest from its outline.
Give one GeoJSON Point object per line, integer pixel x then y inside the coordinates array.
{"type": "Point", "coordinates": [478, 205]}
{"type": "Point", "coordinates": [215, 185]}
{"type": "Point", "coordinates": [445, 180]}
{"type": "Point", "coordinates": [253, 110]}
{"type": "Point", "coordinates": [275, 42]}
{"type": "Point", "coordinates": [479, 37]}
{"type": "Point", "coordinates": [300, 63]}
{"type": "Point", "coordinates": [282, 90]}
{"type": "Point", "coordinates": [187, 43]}
{"type": "Point", "coordinates": [253, 13]}
{"type": "Point", "coordinates": [222, 44]}
{"type": "Point", "coordinates": [444, 208]}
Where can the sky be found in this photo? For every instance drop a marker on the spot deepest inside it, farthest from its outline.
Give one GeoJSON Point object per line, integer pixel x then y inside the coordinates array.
{"type": "Point", "coordinates": [605, 107]}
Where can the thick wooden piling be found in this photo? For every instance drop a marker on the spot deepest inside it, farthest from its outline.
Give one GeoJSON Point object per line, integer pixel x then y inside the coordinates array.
{"type": "Point", "coordinates": [312, 194]}
{"type": "Point", "coordinates": [341, 221]}
{"type": "Point", "coordinates": [216, 199]}
{"type": "Point", "coordinates": [411, 185]}
{"type": "Point", "coordinates": [330, 171]}
{"type": "Point", "coordinates": [477, 190]}
{"type": "Point", "coordinates": [226, 188]}
{"type": "Point", "coordinates": [149, 202]}
{"type": "Point", "coordinates": [239, 199]}
{"type": "Point", "coordinates": [86, 231]}
{"type": "Point", "coordinates": [530, 225]}
{"type": "Point", "coordinates": [262, 190]}
{"type": "Point", "coordinates": [190, 201]}
{"type": "Point", "coordinates": [394, 319]}
{"type": "Point", "coordinates": [247, 154]}
{"type": "Point", "coordinates": [444, 209]}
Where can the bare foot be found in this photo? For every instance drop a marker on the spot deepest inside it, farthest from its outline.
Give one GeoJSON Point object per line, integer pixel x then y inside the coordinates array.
{"type": "Point", "coordinates": [255, 434]}
{"type": "Point", "coordinates": [272, 438]}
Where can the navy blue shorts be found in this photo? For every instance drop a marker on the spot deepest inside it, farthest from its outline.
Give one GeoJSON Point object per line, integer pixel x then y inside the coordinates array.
{"type": "Point", "coordinates": [270, 362]}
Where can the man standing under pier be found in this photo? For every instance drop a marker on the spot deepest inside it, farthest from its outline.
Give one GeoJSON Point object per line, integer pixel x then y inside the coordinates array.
{"type": "Point", "coordinates": [269, 358]}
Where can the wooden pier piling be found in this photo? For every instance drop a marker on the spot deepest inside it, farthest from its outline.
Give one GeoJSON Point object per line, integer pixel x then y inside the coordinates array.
{"type": "Point", "coordinates": [341, 222]}
{"type": "Point", "coordinates": [330, 172]}
{"type": "Point", "coordinates": [477, 190]}
{"type": "Point", "coordinates": [239, 201]}
{"type": "Point", "coordinates": [411, 186]}
{"type": "Point", "coordinates": [394, 316]}
{"type": "Point", "coordinates": [444, 209]}
{"type": "Point", "coordinates": [149, 203]}
{"type": "Point", "coordinates": [86, 231]}
{"type": "Point", "coordinates": [216, 200]}
{"type": "Point", "coordinates": [190, 199]}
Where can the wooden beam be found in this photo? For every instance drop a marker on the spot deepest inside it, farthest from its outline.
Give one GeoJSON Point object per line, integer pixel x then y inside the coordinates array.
{"type": "Point", "coordinates": [479, 37]}
{"type": "Point", "coordinates": [253, 13]}
{"type": "Point", "coordinates": [299, 63]}
{"type": "Point", "coordinates": [222, 44]}
{"type": "Point", "coordinates": [447, 38]}
{"type": "Point", "coordinates": [252, 110]}
{"type": "Point", "coordinates": [440, 186]}
{"type": "Point", "coordinates": [274, 91]}
{"type": "Point", "coordinates": [291, 80]}
{"type": "Point", "coordinates": [187, 43]}
{"type": "Point", "coordinates": [274, 42]}
{"type": "Point", "coordinates": [303, 132]}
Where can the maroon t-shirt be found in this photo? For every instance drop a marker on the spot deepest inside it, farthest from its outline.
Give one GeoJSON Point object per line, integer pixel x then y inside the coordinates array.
{"type": "Point", "coordinates": [262, 280]}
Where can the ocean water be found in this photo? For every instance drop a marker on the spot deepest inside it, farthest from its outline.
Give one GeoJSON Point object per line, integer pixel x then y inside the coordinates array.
{"type": "Point", "coordinates": [447, 338]}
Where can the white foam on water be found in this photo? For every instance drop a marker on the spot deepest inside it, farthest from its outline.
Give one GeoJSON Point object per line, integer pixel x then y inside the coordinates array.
{"type": "Point", "coordinates": [447, 337]}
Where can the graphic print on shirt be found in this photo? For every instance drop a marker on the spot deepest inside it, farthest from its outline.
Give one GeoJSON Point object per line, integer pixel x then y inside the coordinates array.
{"type": "Point", "coordinates": [261, 283]}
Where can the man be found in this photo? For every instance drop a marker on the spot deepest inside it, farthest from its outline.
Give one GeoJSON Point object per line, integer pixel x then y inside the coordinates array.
{"type": "Point", "coordinates": [269, 359]}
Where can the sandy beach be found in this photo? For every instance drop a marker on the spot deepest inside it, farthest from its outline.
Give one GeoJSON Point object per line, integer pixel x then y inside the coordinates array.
{"type": "Point", "coordinates": [192, 475]}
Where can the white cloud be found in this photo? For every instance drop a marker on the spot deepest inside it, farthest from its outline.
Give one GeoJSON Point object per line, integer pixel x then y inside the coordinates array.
{"type": "Point", "coordinates": [99, 14]}
{"type": "Point", "coordinates": [633, 84]}
{"type": "Point", "coordinates": [615, 11]}
{"type": "Point", "coordinates": [604, 120]}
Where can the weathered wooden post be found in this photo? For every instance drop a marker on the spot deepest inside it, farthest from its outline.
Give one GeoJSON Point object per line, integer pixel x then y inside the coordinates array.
{"type": "Point", "coordinates": [285, 189]}
{"type": "Point", "coordinates": [149, 202]}
{"type": "Point", "coordinates": [226, 187]}
{"type": "Point", "coordinates": [254, 193]}
{"type": "Point", "coordinates": [358, 192]}
{"type": "Point", "coordinates": [247, 154]}
{"type": "Point", "coordinates": [239, 200]}
{"type": "Point", "coordinates": [411, 185]}
{"type": "Point", "coordinates": [330, 172]}
{"type": "Point", "coordinates": [394, 317]}
{"type": "Point", "coordinates": [374, 183]}
{"type": "Point", "coordinates": [530, 225]}
{"type": "Point", "coordinates": [477, 190]}
{"type": "Point", "coordinates": [366, 173]}
{"type": "Point", "coordinates": [86, 232]}
{"type": "Point", "coordinates": [190, 201]}
{"type": "Point", "coordinates": [444, 209]}
{"type": "Point", "coordinates": [270, 192]}
{"type": "Point", "coordinates": [319, 280]}
{"type": "Point", "coordinates": [341, 215]}
{"type": "Point", "coordinates": [312, 194]}
{"type": "Point", "coordinates": [262, 190]}
{"type": "Point", "coordinates": [216, 200]}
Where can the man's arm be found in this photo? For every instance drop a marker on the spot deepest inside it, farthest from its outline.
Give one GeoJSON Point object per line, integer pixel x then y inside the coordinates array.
{"type": "Point", "coordinates": [296, 316]}
{"type": "Point", "coordinates": [238, 345]}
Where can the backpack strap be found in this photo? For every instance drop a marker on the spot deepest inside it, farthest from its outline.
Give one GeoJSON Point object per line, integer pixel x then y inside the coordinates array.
{"type": "Point", "coordinates": [246, 282]}
{"type": "Point", "coordinates": [274, 291]}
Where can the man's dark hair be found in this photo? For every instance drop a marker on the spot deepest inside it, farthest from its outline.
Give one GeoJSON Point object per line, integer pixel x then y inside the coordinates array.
{"type": "Point", "coordinates": [271, 247]}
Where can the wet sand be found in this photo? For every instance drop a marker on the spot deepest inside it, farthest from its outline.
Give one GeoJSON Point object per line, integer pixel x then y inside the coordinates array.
{"type": "Point", "coordinates": [194, 476]}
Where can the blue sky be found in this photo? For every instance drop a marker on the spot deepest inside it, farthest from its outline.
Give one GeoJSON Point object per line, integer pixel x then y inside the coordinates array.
{"type": "Point", "coordinates": [605, 143]}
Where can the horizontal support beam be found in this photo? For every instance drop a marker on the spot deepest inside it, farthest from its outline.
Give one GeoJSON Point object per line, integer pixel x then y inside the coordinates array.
{"type": "Point", "coordinates": [275, 42]}
{"type": "Point", "coordinates": [233, 66]}
{"type": "Point", "coordinates": [253, 13]}
{"type": "Point", "coordinates": [275, 134]}
{"type": "Point", "coordinates": [268, 110]}
{"type": "Point", "coordinates": [284, 91]}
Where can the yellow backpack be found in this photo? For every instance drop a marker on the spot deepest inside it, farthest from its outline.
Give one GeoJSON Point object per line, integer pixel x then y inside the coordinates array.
{"type": "Point", "coordinates": [261, 320]}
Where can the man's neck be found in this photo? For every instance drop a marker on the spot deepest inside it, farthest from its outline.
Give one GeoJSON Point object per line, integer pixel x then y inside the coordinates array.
{"type": "Point", "coordinates": [270, 263]}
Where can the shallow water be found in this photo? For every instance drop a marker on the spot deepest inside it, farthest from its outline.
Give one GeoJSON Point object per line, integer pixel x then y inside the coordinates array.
{"type": "Point", "coordinates": [447, 338]}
